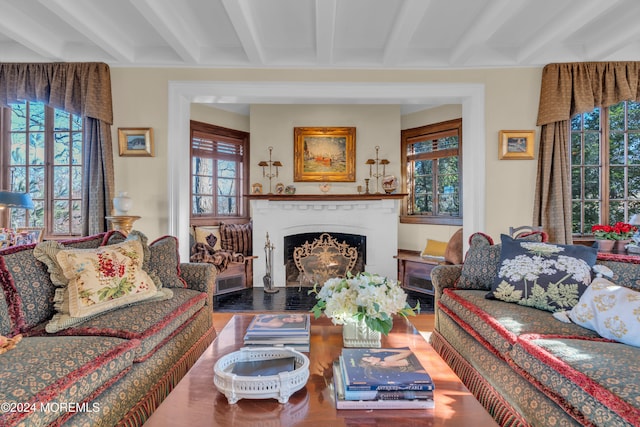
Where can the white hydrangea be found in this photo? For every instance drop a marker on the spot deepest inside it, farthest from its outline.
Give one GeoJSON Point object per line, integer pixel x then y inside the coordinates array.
{"type": "Point", "coordinates": [376, 296]}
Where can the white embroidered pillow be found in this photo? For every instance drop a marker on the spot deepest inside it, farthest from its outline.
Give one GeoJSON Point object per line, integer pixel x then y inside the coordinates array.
{"type": "Point", "coordinates": [99, 280]}
{"type": "Point", "coordinates": [611, 310]}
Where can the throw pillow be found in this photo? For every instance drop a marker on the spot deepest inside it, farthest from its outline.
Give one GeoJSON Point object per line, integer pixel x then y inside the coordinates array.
{"type": "Point", "coordinates": [93, 281]}
{"type": "Point", "coordinates": [164, 262]}
{"type": "Point", "coordinates": [204, 234]}
{"type": "Point", "coordinates": [237, 238]}
{"type": "Point", "coordinates": [480, 264]}
{"type": "Point", "coordinates": [542, 275]}
{"type": "Point", "coordinates": [434, 249]}
{"type": "Point", "coordinates": [611, 310]}
{"type": "Point", "coordinates": [482, 260]}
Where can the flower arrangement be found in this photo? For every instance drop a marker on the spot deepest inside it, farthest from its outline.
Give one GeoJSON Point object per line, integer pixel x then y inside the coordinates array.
{"type": "Point", "coordinates": [365, 296]}
{"type": "Point", "coordinates": [619, 231]}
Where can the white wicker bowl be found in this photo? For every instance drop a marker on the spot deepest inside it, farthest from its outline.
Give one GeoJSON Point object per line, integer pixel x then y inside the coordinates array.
{"type": "Point", "coordinates": [281, 386]}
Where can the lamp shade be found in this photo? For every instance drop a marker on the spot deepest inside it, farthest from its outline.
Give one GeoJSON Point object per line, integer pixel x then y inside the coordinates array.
{"type": "Point", "coordinates": [635, 220]}
{"type": "Point", "coordinates": [11, 199]}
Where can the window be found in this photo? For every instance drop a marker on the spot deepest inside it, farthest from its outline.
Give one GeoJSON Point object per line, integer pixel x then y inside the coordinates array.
{"type": "Point", "coordinates": [433, 173]}
{"type": "Point", "coordinates": [605, 166]}
{"type": "Point", "coordinates": [42, 155]}
{"type": "Point", "coordinates": [219, 168]}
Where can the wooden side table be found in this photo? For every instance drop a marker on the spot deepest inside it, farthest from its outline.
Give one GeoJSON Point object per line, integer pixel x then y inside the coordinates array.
{"type": "Point", "coordinates": [414, 271]}
{"type": "Point", "coordinates": [122, 223]}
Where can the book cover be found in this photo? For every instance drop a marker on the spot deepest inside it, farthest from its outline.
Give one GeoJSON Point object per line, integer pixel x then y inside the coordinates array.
{"type": "Point", "coordinates": [277, 325]}
{"type": "Point", "coordinates": [301, 347]}
{"type": "Point", "coordinates": [387, 394]}
{"type": "Point", "coordinates": [261, 368]}
{"type": "Point", "coordinates": [383, 369]}
{"type": "Point", "coordinates": [342, 403]}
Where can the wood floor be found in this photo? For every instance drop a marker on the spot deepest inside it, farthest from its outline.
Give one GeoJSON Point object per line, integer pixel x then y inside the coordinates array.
{"type": "Point", "coordinates": [422, 322]}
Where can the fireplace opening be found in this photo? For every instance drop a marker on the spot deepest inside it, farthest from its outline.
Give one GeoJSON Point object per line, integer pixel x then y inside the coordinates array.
{"type": "Point", "coordinates": [311, 258]}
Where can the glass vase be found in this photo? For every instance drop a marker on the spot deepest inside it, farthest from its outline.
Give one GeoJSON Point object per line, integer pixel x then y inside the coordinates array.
{"type": "Point", "coordinates": [357, 334]}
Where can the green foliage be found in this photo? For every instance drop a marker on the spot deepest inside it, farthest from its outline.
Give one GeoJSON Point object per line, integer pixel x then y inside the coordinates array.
{"type": "Point", "coordinates": [124, 287]}
{"type": "Point", "coordinates": [507, 292]}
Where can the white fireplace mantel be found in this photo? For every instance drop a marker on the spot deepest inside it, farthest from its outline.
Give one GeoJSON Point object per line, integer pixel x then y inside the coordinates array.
{"type": "Point", "coordinates": [375, 217]}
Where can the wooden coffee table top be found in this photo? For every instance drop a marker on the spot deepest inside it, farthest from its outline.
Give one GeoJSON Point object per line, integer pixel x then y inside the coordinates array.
{"type": "Point", "coordinates": [196, 402]}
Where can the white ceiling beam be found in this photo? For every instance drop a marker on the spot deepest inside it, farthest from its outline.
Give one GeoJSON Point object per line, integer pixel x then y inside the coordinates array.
{"type": "Point", "coordinates": [563, 25]}
{"type": "Point", "coordinates": [325, 30]}
{"type": "Point", "coordinates": [627, 33]}
{"type": "Point", "coordinates": [13, 23]}
{"type": "Point", "coordinates": [411, 14]}
{"type": "Point", "coordinates": [172, 29]}
{"type": "Point", "coordinates": [243, 21]}
{"type": "Point", "coordinates": [489, 21]}
{"type": "Point", "coordinates": [87, 19]}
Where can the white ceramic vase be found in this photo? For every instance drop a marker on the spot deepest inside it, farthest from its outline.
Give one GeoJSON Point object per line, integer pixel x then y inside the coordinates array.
{"type": "Point", "coordinates": [358, 334]}
{"type": "Point", "coordinates": [122, 203]}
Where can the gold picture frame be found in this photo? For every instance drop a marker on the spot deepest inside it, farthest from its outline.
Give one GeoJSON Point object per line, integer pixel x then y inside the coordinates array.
{"type": "Point", "coordinates": [516, 144]}
{"type": "Point", "coordinates": [324, 154]}
{"type": "Point", "coordinates": [135, 142]}
{"type": "Point", "coordinates": [28, 235]}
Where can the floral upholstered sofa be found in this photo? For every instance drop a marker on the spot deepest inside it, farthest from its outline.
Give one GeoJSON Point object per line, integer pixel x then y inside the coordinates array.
{"type": "Point", "coordinates": [109, 325]}
{"type": "Point", "coordinates": [504, 331]}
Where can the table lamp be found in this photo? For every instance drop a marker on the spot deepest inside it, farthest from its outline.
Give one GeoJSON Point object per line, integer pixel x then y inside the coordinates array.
{"type": "Point", "coordinates": [13, 199]}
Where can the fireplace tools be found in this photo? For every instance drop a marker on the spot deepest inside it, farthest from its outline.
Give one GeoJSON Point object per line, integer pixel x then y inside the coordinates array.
{"type": "Point", "coordinates": [267, 280]}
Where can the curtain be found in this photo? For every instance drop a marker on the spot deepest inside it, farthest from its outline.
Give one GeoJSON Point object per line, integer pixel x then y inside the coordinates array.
{"type": "Point", "coordinates": [82, 89]}
{"type": "Point", "coordinates": [568, 89]}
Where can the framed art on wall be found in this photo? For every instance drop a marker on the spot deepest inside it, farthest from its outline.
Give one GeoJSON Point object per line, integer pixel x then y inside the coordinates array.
{"type": "Point", "coordinates": [28, 235]}
{"type": "Point", "coordinates": [324, 154]}
{"type": "Point", "coordinates": [516, 145]}
{"type": "Point", "coordinates": [135, 142]}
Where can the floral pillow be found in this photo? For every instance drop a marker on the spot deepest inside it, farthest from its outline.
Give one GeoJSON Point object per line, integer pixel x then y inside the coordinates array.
{"type": "Point", "coordinates": [546, 276]}
{"type": "Point", "coordinates": [93, 281]}
{"type": "Point", "coordinates": [611, 310]}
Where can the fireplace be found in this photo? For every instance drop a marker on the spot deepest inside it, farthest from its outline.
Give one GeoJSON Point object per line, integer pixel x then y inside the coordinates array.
{"type": "Point", "coordinates": [331, 264]}
{"type": "Point", "coordinates": [374, 217]}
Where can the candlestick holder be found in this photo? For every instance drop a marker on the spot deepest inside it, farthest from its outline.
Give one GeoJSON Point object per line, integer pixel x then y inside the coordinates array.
{"type": "Point", "coordinates": [271, 164]}
{"type": "Point", "coordinates": [377, 162]}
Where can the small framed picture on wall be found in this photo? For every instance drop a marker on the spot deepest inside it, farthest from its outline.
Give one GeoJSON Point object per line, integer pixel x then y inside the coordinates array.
{"type": "Point", "coordinates": [135, 142]}
{"type": "Point", "coordinates": [516, 145]}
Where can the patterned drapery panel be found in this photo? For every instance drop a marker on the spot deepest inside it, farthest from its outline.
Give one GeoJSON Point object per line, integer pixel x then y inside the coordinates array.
{"type": "Point", "coordinates": [568, 89]}
{"type": "Point", "coordinates": [84, 89]}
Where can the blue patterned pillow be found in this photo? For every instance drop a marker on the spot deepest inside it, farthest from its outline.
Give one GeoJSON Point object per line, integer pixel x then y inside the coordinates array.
{"type": "Point", "coordinates": [546, 276]}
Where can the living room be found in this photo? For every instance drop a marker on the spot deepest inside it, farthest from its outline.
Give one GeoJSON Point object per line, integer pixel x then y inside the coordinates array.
{"type": "Point", "coordinates": [400, 83]}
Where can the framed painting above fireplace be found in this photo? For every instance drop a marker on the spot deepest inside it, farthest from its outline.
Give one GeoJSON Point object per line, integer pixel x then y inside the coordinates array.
{"type": "Point", "coordinates": [323, 154]}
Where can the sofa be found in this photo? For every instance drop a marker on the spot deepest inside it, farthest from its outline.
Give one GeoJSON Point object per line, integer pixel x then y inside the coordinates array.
{"type": "Point", "coordinates": [533, 366]}
{"type": "Point", "coordinates": [107, 368]}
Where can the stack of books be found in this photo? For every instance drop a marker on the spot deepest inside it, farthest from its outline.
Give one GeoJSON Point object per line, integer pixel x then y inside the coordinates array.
{"type": "Point", "coordinates": [279, 330]}
{"type": "Point", "coordinates": [381, 378]}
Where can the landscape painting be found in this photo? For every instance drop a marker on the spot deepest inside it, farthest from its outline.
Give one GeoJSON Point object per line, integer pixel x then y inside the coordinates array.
{"type": "Point", "coordinates": [324, 154]}
{"type": "Point", "coordinates": [135, 141]}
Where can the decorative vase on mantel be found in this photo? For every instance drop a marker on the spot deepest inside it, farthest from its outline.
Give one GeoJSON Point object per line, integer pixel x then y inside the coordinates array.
{"type": "Point", "coordinates": [356, 333]}
{"type": "Point", "coordinates": [606, 245]}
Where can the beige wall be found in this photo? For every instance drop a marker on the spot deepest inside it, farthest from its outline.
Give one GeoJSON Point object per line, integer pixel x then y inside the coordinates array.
{"type": "Point", "coordinates": [511, 101]}
{"type": "Point", "coordinates": [272, 125]}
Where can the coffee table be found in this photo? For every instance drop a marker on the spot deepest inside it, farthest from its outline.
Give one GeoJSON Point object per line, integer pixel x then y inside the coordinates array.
{"type": "Point", "coordinates": [195, 401]}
